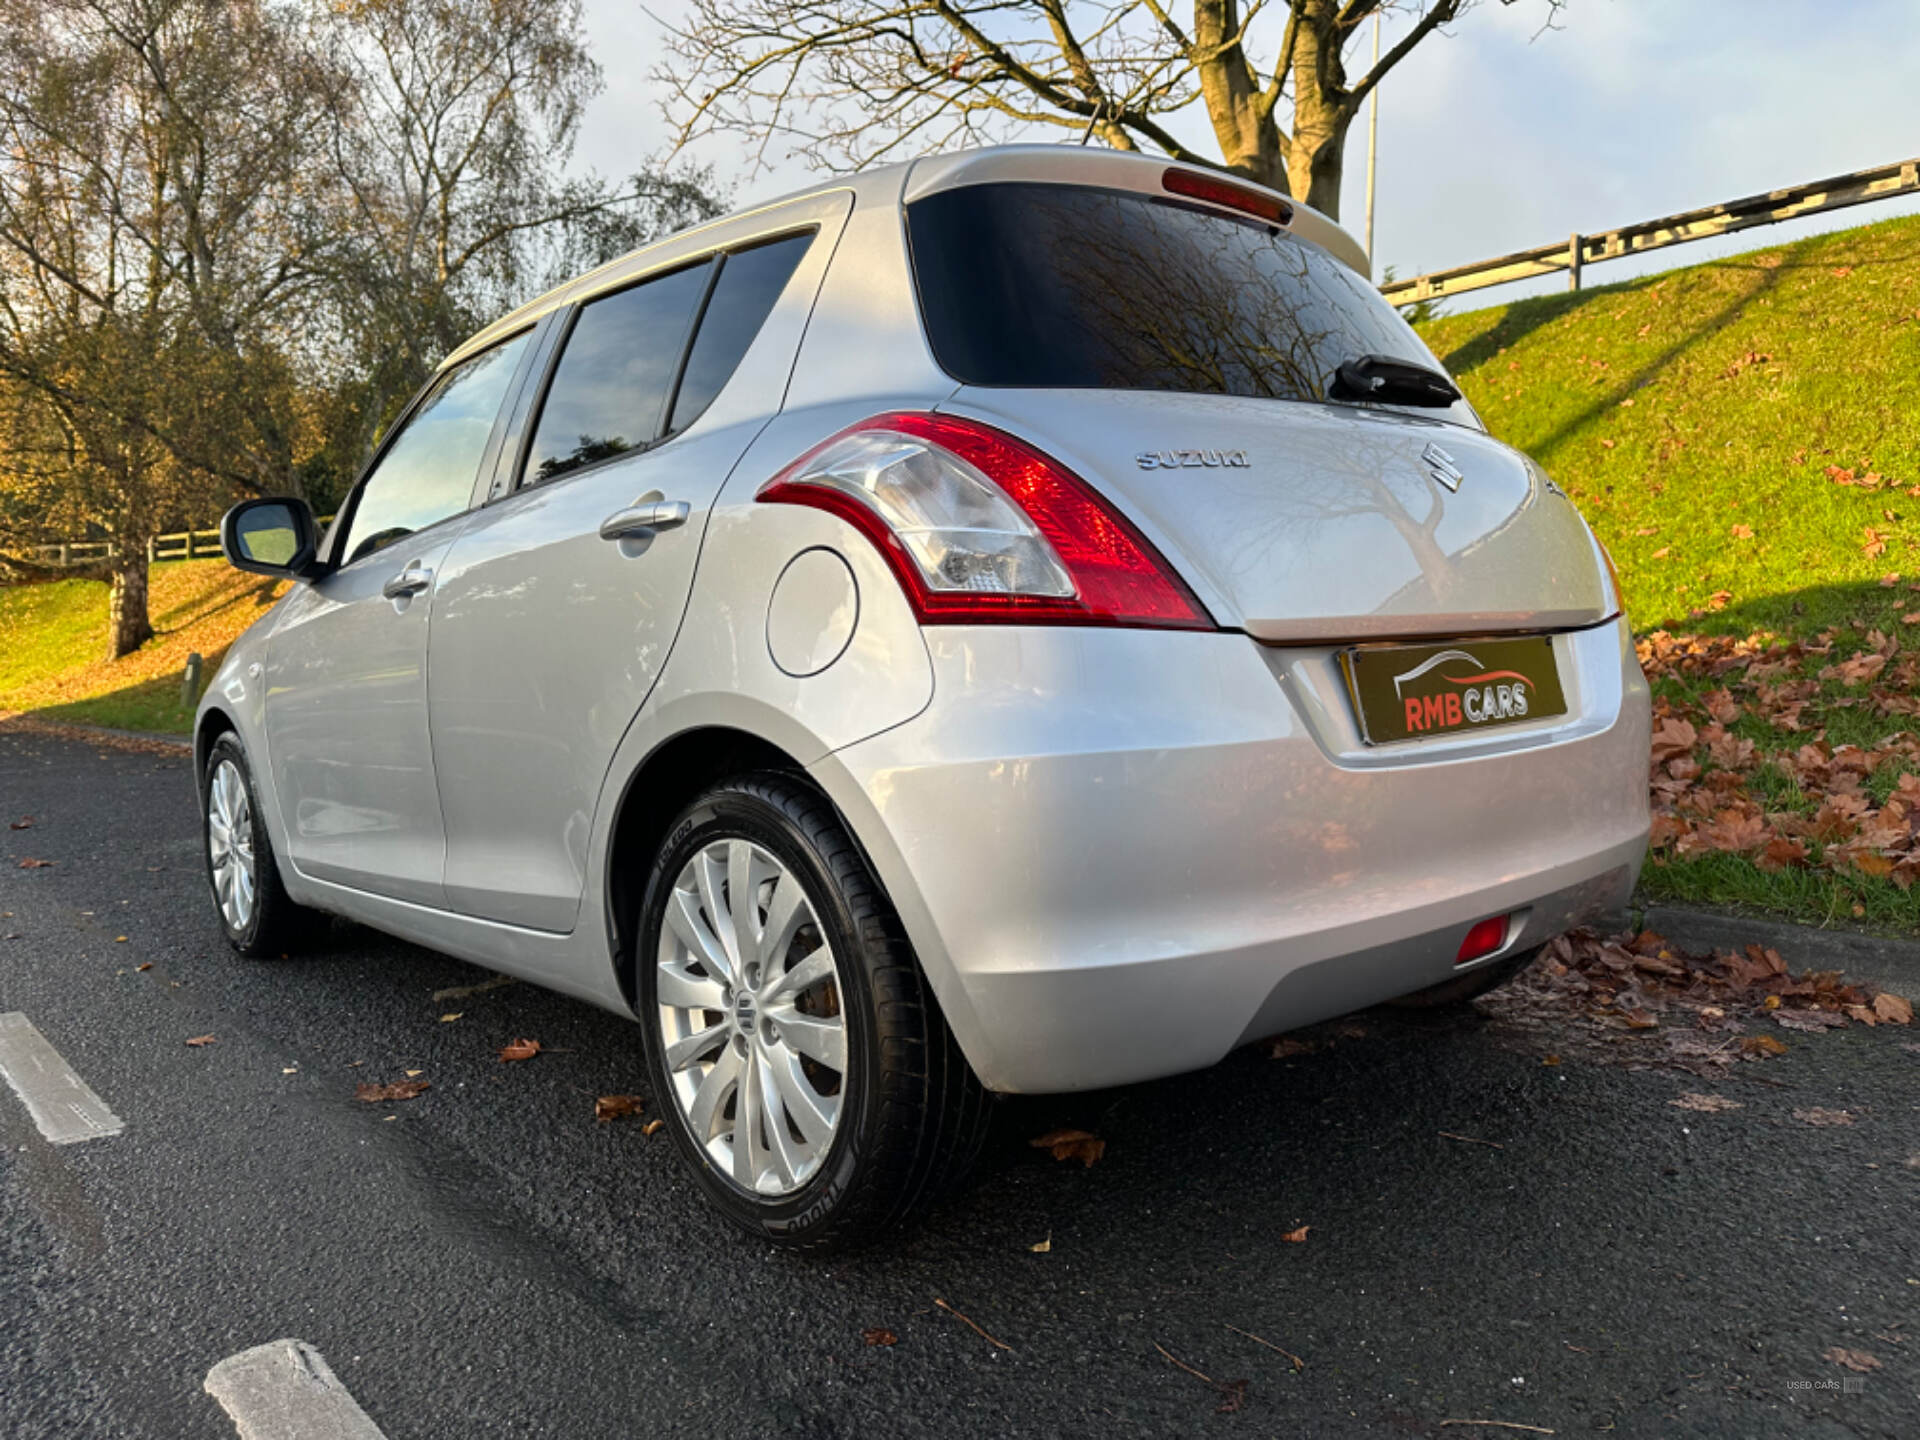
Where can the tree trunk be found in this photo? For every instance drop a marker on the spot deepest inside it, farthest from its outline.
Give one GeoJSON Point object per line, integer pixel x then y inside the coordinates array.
{"type": "Point", "coordinates": [1321, 112]}
{"type": "Point", "coordinates": [128, 624]}
{"type": "Point", "coordinates": [1242, 118]}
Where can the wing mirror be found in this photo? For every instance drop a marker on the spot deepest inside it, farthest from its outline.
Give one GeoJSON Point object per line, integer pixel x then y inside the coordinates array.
{"type": "Point", "coordinates": [275, 536]}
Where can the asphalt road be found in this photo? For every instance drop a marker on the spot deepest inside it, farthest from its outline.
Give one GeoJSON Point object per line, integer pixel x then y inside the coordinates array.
{"type": "Point", "coordinates": [488, 1260]}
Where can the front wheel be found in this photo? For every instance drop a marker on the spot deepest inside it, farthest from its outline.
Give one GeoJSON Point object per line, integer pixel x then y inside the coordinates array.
{"type": "Point", "coordinates": [255, 914]}
{"type": "Point", "coordinates": [811, 1081]}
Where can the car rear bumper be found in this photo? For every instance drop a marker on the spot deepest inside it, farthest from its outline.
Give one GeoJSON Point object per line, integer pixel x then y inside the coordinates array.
{"type": "Point", "coordinates": [1121, 853]}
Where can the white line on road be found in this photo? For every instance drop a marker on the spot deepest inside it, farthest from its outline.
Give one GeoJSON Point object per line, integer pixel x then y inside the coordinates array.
{"type": "Point", "coordinates": [285, 1390]}
{"type": "Point", "coordinates": [59, 1101]}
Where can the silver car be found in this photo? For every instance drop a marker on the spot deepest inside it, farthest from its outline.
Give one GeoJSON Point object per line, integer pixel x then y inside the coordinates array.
{"type": "Point", "coordinates": [1025, 620]}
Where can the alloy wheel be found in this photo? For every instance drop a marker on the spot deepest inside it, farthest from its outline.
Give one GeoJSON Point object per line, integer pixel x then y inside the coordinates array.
{"type": "Point", "coordinates": [230, 844]}
{"type": "Point", "coordinates": [751, 1024]}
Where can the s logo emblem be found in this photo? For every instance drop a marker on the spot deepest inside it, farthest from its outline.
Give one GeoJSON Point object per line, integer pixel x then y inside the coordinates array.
{"type": "Point", "coordinates": [1442, 466]}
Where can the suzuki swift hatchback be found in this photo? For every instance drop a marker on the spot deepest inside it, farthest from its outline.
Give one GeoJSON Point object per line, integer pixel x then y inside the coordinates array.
{"type": "Point", "coordinates": [1025, 620]}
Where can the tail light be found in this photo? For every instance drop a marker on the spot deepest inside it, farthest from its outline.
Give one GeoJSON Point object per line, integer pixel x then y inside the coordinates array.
{"type": "Point", "coordinates": [1483, 939]}
{"type": "Point", "coordinates": [1215, 191]}
{"type": "Point", "coordinates": [982, 528]}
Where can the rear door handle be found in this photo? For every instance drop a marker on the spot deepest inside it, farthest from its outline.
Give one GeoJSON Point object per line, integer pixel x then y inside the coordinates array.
{"type": "Point", "coordinates": [410, 581]}
{"type": "Point", "coordinates": [639, 521]}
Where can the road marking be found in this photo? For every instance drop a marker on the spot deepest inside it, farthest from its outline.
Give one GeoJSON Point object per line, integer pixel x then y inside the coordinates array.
{"type": "Point", "coordinates": [59, 1101]}
{"type": "Point", "coordinates": [285, 1390]}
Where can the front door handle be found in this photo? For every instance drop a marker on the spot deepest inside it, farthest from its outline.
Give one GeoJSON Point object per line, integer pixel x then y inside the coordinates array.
{"type": "Point", "coordinates": [637, 522]}
{"type": "Point", "coordinates": [410, 581]}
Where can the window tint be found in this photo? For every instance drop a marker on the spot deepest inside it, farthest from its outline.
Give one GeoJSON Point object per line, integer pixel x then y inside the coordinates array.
{"type": "Point", "coordinates": [609, 395]}
{"type": "Point", "coordinates": [428, 471]}
{"type": "Point", "coordinates": [1049, 285]}
{"type": "Point", "coordinates": [750, 281]}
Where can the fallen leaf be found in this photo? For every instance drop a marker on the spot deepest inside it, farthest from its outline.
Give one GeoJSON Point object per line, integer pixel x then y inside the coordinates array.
{"type": "Point", "coordinates": [412, 1073]}
{"type": "Point", "coordinates": [1821, 1115]}
{"type": "Point", "coordinates": [1856, 1360]}
{"type": "Point", "coordinates": [878, 1336]}
{"type": "Point", "coordinates": [1896, 1008]}
{"type": "Point", "coordinates": [1078, 1145]}
{"type": "Point", "coordinates": [202, 1040]}
{"type": "Point", "coordinates": [1297, 1237]}
{"type": "Point", "coordinates": [398, 1090]}
{"type": "Point", "coordinates": [1286, 1047]}
{"type": "Point", "coordinates": [1044, 1247]}
{"type": "Point", "coordinates": [1742, 532]}
{"type": "Point", "coordinates": [1705, 1104]}
{"type": "Point", "coordinates": [1663, 552]}
{"type": "Point", "coordinates": [25, 822]}
{"type": "Point", "coordinates": [612, 1107]}
{"type": "Point", "coordinates": [119, 939]}
{"type": "Point", "coordinates": [144, 965]}
{"type": "Point", "coordinates": [1763, 1045]}
{"type": "Point", "coordinates": [520, 1050]}
{"type": "Point", "coordinates": [449, 1019]}
{"type": "Point", "coordinates": [37, 864]}
{"type": "Point", "coordinates": [651, 1126]}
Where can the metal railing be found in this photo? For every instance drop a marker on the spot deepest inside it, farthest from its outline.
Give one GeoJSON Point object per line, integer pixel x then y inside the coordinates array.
{"type": "Point", "coordinates": [1578, 251]}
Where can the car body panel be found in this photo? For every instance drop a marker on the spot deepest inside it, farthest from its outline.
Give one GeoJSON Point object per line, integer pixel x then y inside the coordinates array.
{"type": "Point", "coordinates": [1330, 522]}
{"type": "Point", "coordinates": [546, 638]}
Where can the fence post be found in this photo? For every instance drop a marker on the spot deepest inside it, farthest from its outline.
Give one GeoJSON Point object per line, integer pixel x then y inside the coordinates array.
{"type": "Point", "coordinates": [153, 549]}
{"type": "Point", "coordinates": [63, 554]}
{"type": "Point", "coordinates": [1573, 262]}
{"type": "Point", "coordinates": [190, 681]}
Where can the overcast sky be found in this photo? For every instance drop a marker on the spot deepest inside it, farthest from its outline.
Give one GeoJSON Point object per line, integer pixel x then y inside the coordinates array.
{"type": "Point", "coordinates": [1496, 137]}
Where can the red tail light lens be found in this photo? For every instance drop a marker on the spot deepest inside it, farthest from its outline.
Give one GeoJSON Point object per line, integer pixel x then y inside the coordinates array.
{"type": "Point", "coordinates": [1483, 939]}
{"type": "Point", "coordinates": [982, 528]}
{"type": "Point", "coordinates": [1215, 191]}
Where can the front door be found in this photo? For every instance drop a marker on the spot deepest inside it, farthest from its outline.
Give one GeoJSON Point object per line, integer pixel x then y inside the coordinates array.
{"type": "Point", "coordinates": [551, 625]}
{"type": "Point", "coordinates": [346, 707]}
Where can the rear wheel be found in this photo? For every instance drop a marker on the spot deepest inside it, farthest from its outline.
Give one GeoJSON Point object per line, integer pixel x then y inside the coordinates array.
{"type": "Point", "coordinates": [808, 1076]}
{"type": "Point", "coordinates": [255, 914]}
{"type": "Point", "coordinates": [1462, 989]}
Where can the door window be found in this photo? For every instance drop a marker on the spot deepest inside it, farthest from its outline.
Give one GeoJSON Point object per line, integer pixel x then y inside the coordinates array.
{"type": "Point", "coordinates": [609, 394]}
{"type": "Point", "coordinates": [427, 472]}
{"type": "Point", "coordinates": [750, 281]}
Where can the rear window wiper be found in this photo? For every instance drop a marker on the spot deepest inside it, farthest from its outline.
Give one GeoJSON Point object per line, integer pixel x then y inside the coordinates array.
{"type": "Point", "coordinates": [1388, 381]}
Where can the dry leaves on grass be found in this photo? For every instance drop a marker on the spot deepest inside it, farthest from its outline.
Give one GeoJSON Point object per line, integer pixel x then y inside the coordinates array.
{"type": "Point", "coordinates": [612, 1107]}
{"type": "Point", "coordinates": [1715, 791]}
{"type": "Point", "coordinates": [1642, 999]}
{"type": "Point", "coordinates": [1081, 1145]}
{"type": "Point", "coordinates": [385, 1094]}
{"type": "Point", "coordinates": [519, 1050]}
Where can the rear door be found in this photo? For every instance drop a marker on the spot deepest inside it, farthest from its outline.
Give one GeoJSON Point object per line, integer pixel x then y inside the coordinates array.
{"type": "Point", "coordinates": [1181, 357]}
{"type": "Point", "coordinates": [551, 625]}
{"type": "Point", "coordinates": [346, 706]}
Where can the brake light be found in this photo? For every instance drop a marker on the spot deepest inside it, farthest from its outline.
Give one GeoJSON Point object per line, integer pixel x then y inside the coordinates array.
{"type": "Point", "coordinates": [1483, 939]}
{"type": "Point", "coordinates": [1214, 191]}
{"type": "Point", "coordinates": [981, 528]}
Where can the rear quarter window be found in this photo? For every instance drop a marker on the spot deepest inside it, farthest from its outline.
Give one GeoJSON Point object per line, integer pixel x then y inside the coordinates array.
{"type": "Point", "coordinates": [1051, 286]}
{"type": "Point", "coordinates": [750, 282]}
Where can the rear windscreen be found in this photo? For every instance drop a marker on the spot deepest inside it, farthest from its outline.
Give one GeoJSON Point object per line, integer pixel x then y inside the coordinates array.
{"type": "Point", "coordinates": [1069, 286]}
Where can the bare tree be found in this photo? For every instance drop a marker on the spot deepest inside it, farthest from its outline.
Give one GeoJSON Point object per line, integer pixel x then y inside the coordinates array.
{"type": "Point", "coordinates": [850, 82]}
{"type": "Point", "coordinates": [451, 123]}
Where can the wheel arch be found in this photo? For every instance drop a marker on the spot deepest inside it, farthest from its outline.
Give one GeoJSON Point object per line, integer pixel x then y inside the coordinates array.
{"type": "Point", "coordinates": [211, 725]}
{"type": "Point", "coordinates": [659, 788]}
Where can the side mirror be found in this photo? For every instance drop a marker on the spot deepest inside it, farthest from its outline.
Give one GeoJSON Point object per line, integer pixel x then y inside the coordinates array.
{"type": "Point", "coordinates": [275, 536]}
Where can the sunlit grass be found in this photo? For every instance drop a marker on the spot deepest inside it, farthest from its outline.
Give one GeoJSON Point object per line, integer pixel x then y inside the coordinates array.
{"type": "Point", "coordinates": [53, 640]}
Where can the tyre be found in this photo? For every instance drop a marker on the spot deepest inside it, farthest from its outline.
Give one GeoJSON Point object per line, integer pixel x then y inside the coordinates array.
{"type": "Point", "coordinates": [1462, 989]}
{"type": "Point", "coordinates": [252, 905]}
{"type": "Point", "coordinates": [804, 1068]}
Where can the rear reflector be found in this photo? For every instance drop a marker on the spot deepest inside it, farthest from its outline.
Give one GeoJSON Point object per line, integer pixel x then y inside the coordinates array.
{"type": "Point", "coordinates": [1483, 939]}
{"type": "Point", "coordinates": [1224, 192]}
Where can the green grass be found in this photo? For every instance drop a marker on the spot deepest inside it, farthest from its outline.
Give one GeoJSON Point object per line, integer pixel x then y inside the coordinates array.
{"type": "Point", "coordinates": [53, 641]}
{"type": "Point", "coordinates": [1645, 402]}
{"type": "Point", "coordinates": [1677, 407]}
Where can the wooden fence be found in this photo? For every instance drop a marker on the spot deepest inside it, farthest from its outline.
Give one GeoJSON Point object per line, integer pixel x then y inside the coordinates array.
{"type": "Point", "coordinates": [1578, 251]}
{"type": "Point", "coordinates": [182, 545]}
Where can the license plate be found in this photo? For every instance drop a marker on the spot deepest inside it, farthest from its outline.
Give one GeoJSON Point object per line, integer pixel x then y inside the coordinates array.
{"type": "Point", "coordinates": [1416, 692]}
